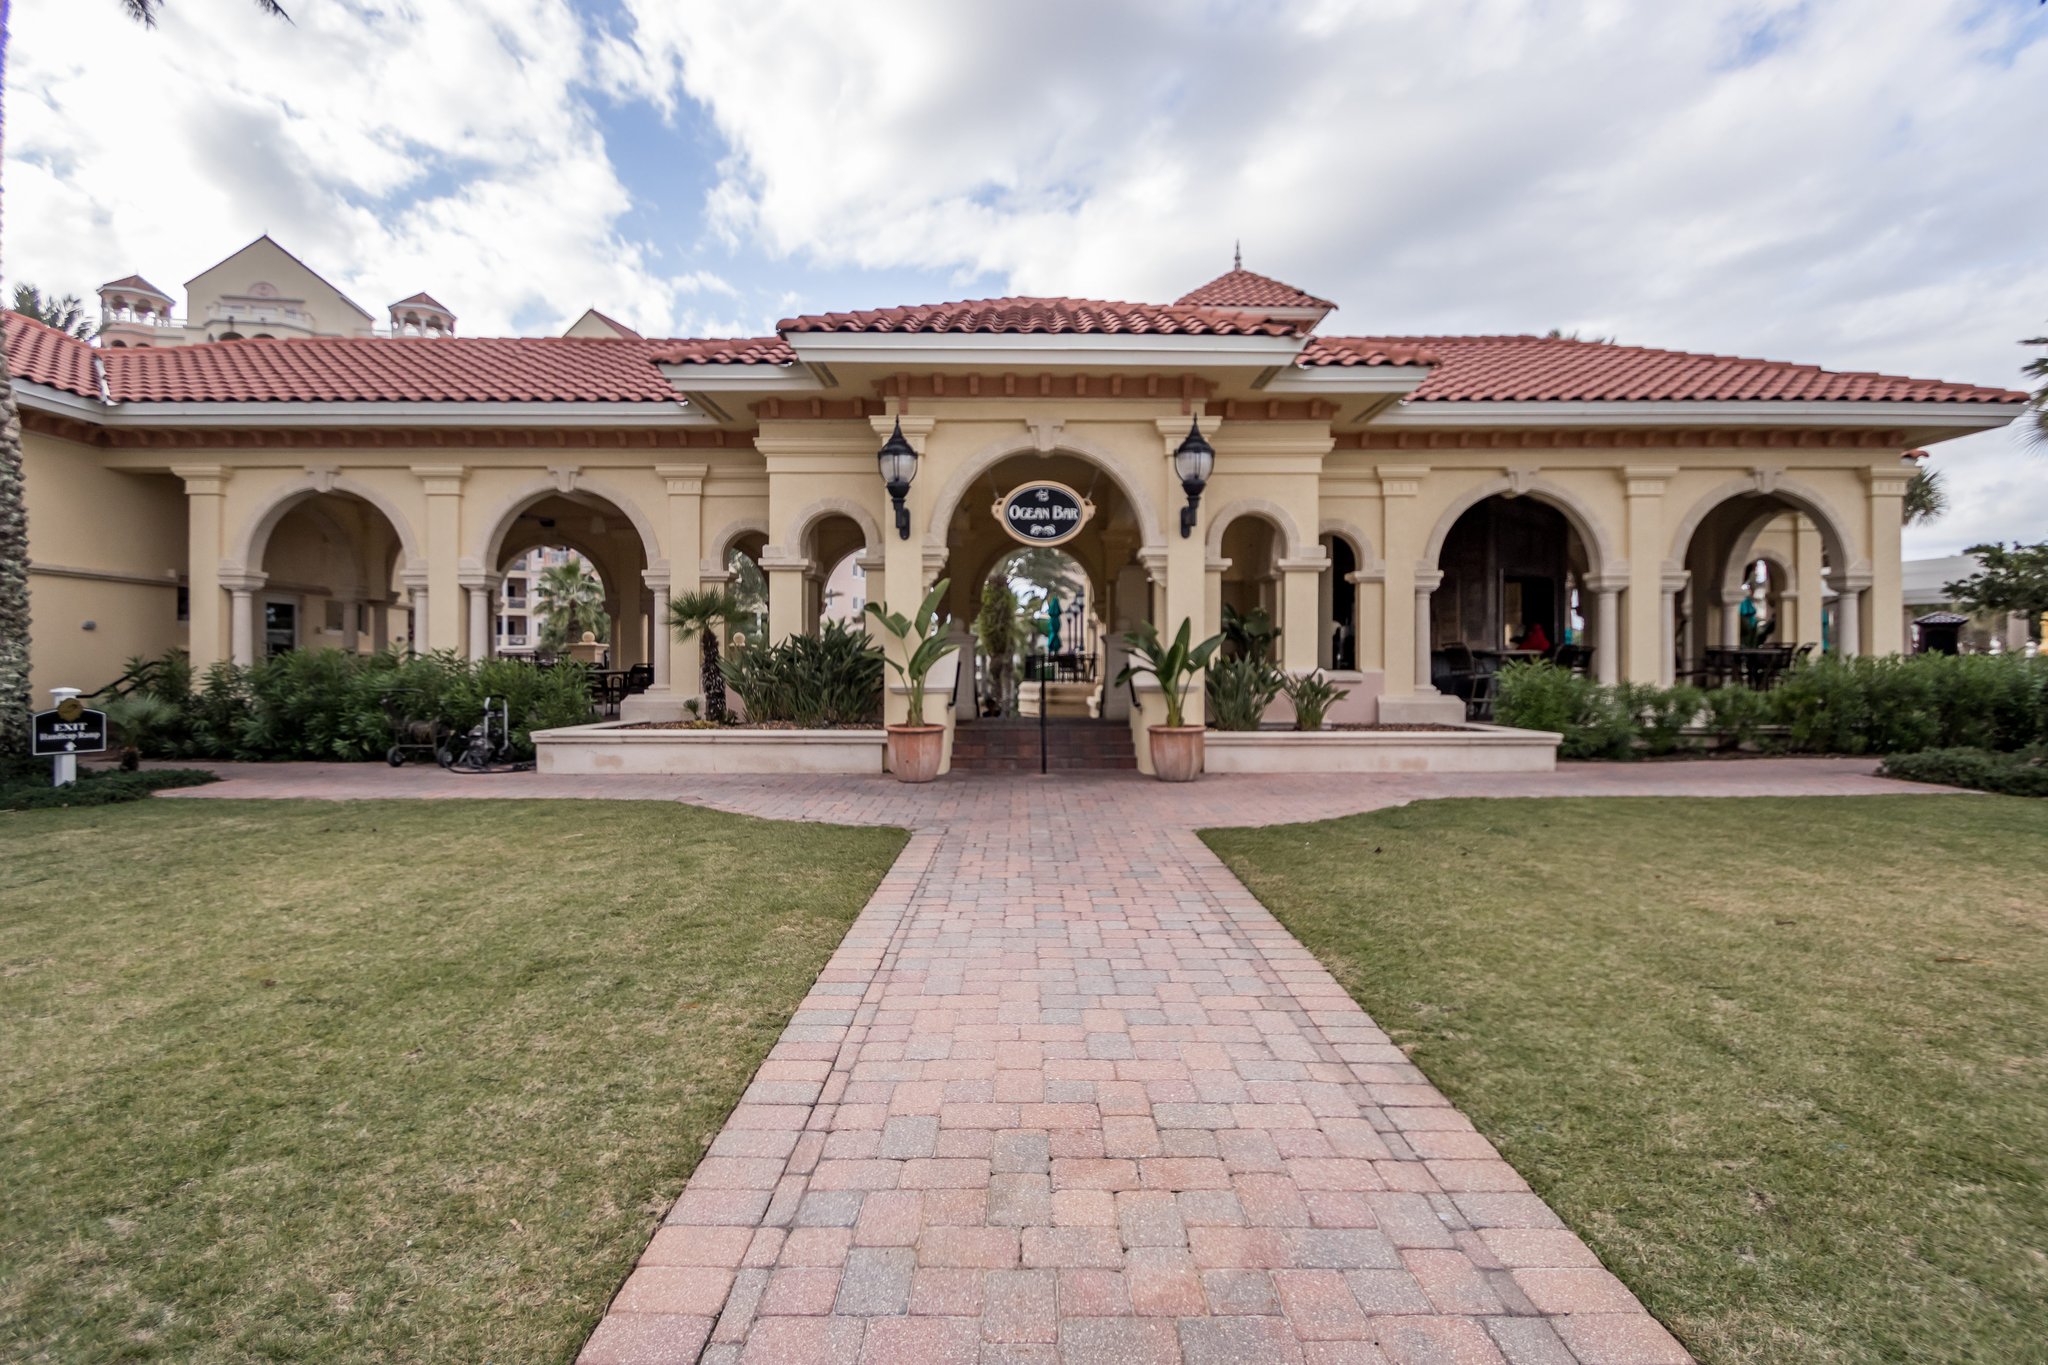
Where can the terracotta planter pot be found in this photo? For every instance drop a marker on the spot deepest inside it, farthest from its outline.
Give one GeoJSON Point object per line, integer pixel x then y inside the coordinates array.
{"type": "Point", "coordinates": [915, 750]}
{"type": "Point", "coordinates": [1176, 752]}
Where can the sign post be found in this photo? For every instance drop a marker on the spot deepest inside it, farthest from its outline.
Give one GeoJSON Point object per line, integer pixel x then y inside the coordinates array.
{"type": "Point", "coordinates": [68, 729]}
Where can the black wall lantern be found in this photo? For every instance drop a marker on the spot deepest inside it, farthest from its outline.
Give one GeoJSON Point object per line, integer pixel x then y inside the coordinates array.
{"type": "Point", "coordinates": [898, 463]}
{"type": "Point", "coordinates": [1193, 461]}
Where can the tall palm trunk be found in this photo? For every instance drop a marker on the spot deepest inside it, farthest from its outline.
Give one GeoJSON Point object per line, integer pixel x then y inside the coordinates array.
{"type": "Point", "coordinates": [712, 676]}
{"type": "Point", "coordinates": [14, 695]}
{"type": "Point", "coordinates": [15, 702]}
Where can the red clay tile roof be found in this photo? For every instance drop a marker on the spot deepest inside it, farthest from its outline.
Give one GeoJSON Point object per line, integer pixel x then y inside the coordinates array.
{"type": "Point", "coordinates": [137, 284]}
{"type": "Point", "coordinates": [1250, 291]}
{"type": "Point", "coordinates": [424, 299]}
{"type": "Point", "coordinates": [1045, 315]}
{"type": "Point", "coordinates": [397, 369]}
{"type": "Point", "coordinates": [723, 351]}
{"type": "Point", "coordinates": [44, 355]}
{"type": "Point", "coordinates": [1322, 352]}
{"type": "Point", "coordinates": [1552, 369]}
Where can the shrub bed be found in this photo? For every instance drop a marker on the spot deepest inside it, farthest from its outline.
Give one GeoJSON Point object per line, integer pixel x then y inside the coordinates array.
{"type": "Point", "coordinates": [95, 787]}
{"type": "Point", "coordinates": [2022, 774]}
{"type": "Point", "coordinates": [329, 705]}
{"type": "Point", "coordinates": [1891, 705]}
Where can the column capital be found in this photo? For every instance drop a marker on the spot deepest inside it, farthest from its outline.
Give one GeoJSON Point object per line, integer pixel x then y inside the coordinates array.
{"type": "Point", "coordinates": [203, 480]}
{"type": "Point", "coordinates": [477, 580]}
{"type": "Point", "coordinates": [1308, 563]}
{"type": "Point", "coordinates": [441, 480]}
{"type": "Point", "coordinates": [915, 429]}
{"type": "Point", "coordinates": [1613, 581]}
{"type": "Point", "coordinates": [414, 578]}
{"type": "Point", "coordinates": [240, 580]}
{"type": "Point", "coordinates": [1887, 483]}
{"type": "Point", "coordinates": [1428, 581]}
{"type": "Point", "coordinates": [656, 578]}
{"type": "Point", "coordinates": [1153, 558]}
{"type": "Point", "coordinates": [1673, 581]}
{"type": "Point", "coordinates": [1648, 480]}
{"type": "Point", "coordinates": [1402, 480]}
{"type": "Point", "coordinates": [683, 480]}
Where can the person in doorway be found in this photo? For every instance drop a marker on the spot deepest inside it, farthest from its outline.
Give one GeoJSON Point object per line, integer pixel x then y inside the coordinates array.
{"type": "Point", "coordinates": [1535, 638]}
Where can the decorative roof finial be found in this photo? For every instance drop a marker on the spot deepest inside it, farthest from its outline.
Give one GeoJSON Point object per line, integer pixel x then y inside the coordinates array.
{"type": "Point", "coordinates": [1237, 254]}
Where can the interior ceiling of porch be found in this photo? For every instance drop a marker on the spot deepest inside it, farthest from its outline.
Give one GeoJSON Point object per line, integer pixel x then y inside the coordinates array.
{"type": "Point", "coordinates": [335, 542]}
{"type": "Point", "coordinates": [582, 522]}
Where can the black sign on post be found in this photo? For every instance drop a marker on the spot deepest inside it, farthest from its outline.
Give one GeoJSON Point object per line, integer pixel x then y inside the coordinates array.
{"type": "Point", "coordinates": [1044, 513]}
{"type": "Point", "coordinates": [68, 729]}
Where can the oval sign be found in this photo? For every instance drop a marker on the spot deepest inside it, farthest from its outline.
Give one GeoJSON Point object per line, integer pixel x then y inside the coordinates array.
{"type": "Point", "coordinates": [1044, 513]}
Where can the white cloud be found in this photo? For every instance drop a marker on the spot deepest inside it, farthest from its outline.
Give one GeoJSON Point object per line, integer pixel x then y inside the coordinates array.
{"type": "Point", "coordinates": [395, 146]}
{"type": "Point", "coordinates": [1828, 181]}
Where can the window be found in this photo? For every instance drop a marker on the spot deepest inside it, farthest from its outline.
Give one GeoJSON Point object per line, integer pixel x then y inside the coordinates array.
{"type": "Point", "coordinates": [184, 603]}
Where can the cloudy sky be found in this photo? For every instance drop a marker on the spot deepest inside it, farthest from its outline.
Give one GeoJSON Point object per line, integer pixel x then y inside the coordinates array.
{"type": "Point", "coordinates": [1856, 183]}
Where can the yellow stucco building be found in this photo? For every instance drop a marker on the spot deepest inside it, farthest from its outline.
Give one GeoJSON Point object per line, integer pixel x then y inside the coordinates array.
{"type": "Point", "coordinates": [1392, 500]}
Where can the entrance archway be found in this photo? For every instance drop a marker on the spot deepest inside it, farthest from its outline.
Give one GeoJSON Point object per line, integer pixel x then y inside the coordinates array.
{"type": "Point", "coordinates": [1104, 590]}
{"type": "Point", "coordinates": [327, 574]}
{"type": "Point", "coordinates": [582, 526]}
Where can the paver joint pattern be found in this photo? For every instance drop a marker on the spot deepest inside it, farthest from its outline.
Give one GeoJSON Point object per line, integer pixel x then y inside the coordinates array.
{"type": "Point", "coordinates": [1066, 1094]}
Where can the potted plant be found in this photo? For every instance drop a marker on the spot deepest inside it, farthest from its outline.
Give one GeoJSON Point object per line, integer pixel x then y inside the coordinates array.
{"type": "Point", "coordinates": [914, 747]}
{"type": "Point", "coordinates": [1176, 745]}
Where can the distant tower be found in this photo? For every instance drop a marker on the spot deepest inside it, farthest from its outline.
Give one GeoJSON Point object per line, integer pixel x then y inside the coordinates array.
{"type": "Point", "coordinates": [421, 316]}
{"type": "Point", "coordinates": [134, 312]}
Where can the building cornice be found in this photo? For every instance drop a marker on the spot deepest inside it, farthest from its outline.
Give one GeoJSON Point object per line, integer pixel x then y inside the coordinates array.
{"type": "Point", "coordinates": [1960, 417]}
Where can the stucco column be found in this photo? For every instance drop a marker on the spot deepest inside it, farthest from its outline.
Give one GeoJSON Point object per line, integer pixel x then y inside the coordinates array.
{"type": "Point", "coordinates": [1301, 632]}
{"type": "Point", "coordinates": [1731, 616]}
{"type": "Point", "coordinates": [351, 635]}
{"type": "Point", "coordinates": [1806, 570]}
{"type": "Point", "coordinates": [1886, 593]}
{"type": "Point", "coordinates": [242, 589]}
{"type": "Point", "coordinates": [483, 595]}
{"type": "Point", "coordinates": [1606, 632]}
{"type": "Point", "coordinates": [441, 614]}
{"type": "Point", "coordinates": [1650, 635]}
{"type": "Point", "coordinates": [663, 660]}
{"type": "Point", "coordinates": [1426, 585]}
{"type": "Point", "coordinates": [683, 670]}
{"type": "Point", "coordinates": [380, 626]}
{"type": "Point", "coordinates": [1668, 588]}
{"type": "Point", "coordinates": [1849, 620]}
{"type": "Point", "coordinates": [788, 594]}
{"type": "Point", "coordinates": [205, 493]}
{"type": "Point", "coordinates": [1187, 569]}
{"type": "Point", "coordinates": [1212, 597]}
{"type": "Point", "coordinates": [415, 580]}
{"type": "Point", "coordinates": [1403, 548]}
{"type": "Point", "coordinates": [1368, 616]}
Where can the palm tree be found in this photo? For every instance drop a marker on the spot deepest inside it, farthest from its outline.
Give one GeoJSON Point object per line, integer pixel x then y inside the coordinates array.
{"type": "Point", "coordinates": [66, 314]}
{"type": "Point", "coordinates": [2037, 368]}
{"type": "Point", "coordinates": [571, 602]}
{"type": "Point", "coordinates": [145, 11]}
{"type": "Point", "coordinates": [701, 613]}
{"type": "Point", "coordinates": [1926, 499]}
{"type": "Point", "coordinates": [14, 619]}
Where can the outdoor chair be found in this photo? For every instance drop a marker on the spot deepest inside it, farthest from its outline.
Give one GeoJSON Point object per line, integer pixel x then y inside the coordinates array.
{"type": "Point", "coordinates": [1460, 669]}
{"type": "Point", "coordinates": [639, 678]}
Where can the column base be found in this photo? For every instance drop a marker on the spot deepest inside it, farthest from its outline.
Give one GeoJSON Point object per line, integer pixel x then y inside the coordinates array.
{"type": "Point", "coordinates": [1422, 708]}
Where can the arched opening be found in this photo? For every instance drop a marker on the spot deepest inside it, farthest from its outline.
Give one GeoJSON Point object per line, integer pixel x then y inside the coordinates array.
{"type": "Point", "coordinates": [1251, 586]}
{"type": "Point", "coordinates": [1037, 637]}
{"type": "Point", "coordinates": [328, 577]}
{"type": "Point", "coordinates": [1766, 584]}
{"type": "Point", "coordinates": [1102, 590]}
{"type": "Point", "coordinates": [550, 596]}
{"type": "Point", "coordinates": [1337, 605]}
{"type": "Point", "coordinates": [570, 537]}
{"type": "Point", "coordinates": [749, 584]}
{"type": "Point", "coordinates": [835, 549]}
{"type": "Point", "coordinates": [1514, 574]}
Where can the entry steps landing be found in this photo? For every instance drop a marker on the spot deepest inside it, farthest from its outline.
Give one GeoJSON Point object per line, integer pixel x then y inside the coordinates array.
{"type": "Point", "coordinates": [1011, 746]}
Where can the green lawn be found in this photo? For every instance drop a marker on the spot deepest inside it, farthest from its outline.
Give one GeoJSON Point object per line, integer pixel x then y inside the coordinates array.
{"type": "Point", "coordinates": [1783, 1063]}
{"type": "Point", "coordinates": [377, 1081]}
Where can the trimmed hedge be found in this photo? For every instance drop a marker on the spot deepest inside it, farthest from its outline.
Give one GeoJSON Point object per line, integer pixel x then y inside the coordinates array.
{"type": "Point", "coordinates": [1895, 704]}
{"type": "Point", "coordinates": [329, 705]}
{"type": "Point", "coordinates": [2021, 774]}
{"type": "Point", "coordinates": [96, 787]}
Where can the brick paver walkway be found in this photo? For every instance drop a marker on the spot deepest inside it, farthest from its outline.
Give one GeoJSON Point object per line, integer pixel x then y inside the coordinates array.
{"type": "Point", "coordinates": [1066, 1093]}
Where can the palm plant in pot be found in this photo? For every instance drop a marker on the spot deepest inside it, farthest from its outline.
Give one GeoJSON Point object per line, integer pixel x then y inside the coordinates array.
{"type": "Point", "coordinates": [1176, 745]}
{"type": "Point", "coordinates": [914, 747]}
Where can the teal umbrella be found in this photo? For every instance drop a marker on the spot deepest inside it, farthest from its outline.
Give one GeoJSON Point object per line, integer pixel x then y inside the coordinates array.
{"type": "Point", "coordinates": [1052, 623]}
